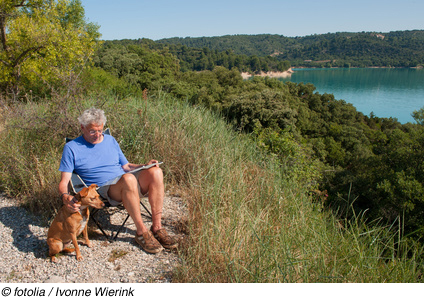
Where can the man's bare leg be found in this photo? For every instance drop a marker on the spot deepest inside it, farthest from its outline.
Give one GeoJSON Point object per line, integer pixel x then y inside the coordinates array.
{"type": "Point", "coordinates": [151, 182]}
{"type": "Point", "coordinates": [126, 191]}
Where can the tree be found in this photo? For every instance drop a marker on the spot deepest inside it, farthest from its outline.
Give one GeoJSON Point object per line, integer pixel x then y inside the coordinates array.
{"type": "Point", "coordinates": [255, 64]}
{"type": "Point", "coordinates": [418, 116]}
{"type": "Point", "coordinates": [43, 41]}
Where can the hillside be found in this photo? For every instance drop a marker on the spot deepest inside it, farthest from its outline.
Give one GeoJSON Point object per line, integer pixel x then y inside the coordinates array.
{"type": "Point", "coordinates": [249, 217]}
{"type": "Point", "coordinates": [364, 162]}
{"type": "Point", "coordinates": [342, 49]}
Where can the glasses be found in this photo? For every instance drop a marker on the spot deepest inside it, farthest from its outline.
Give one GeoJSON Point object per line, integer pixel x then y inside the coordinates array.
{"type": "Point", "coordinates": [93, 132]}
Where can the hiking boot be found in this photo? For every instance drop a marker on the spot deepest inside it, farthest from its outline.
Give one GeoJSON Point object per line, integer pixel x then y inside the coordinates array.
{"type": "Point", "coordinates": [148, 242]}
{"type": "Point", "coordinates": [165, 239]}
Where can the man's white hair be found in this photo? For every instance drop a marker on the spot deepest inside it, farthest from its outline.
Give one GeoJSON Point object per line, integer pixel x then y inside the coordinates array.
{"type": "Point", "coordinates": [92, 116]}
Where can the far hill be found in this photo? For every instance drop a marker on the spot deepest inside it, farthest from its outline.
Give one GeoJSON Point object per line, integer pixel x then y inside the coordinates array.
{"type": "Point", "coordinates": [342, 49]}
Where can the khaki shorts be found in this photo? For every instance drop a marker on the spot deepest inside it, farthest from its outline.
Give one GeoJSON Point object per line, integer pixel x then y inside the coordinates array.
{"type": "Point", "coordinates": [103, 190]}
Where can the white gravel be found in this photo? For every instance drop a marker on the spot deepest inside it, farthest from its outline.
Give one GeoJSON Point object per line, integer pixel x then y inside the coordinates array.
{"type": "Point", "coordinates": [24, 251]}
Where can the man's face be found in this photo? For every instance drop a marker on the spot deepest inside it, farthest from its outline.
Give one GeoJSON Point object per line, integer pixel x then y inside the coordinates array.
{"type": "Point", "coordinates": [92, 133]}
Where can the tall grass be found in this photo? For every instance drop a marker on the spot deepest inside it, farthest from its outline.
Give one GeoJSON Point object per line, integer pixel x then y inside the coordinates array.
{"type": "Point", "coordinates": [247, 222]}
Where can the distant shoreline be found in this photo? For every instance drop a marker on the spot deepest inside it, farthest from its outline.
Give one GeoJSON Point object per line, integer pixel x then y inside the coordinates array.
{"type": "Point", "coordinates": [272, 74]}
{"type": "Point", "coordinates": [289, 72]}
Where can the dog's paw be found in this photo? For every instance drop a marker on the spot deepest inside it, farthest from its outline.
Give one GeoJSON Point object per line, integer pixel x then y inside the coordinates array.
{"type": "Point", "coordinates": [87, 243]}
{"type": "Point", "coordinates": [54, 259]}
{"type": "Point", "coordinates": [79, 258]}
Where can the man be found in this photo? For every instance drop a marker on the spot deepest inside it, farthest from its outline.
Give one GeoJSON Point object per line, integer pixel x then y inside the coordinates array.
{"type": "Point", "coordinates": [98, 159]}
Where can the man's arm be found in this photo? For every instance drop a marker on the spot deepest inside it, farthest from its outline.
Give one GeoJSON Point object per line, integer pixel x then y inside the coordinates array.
{"type": "Point", "coordinates": [63, 190]}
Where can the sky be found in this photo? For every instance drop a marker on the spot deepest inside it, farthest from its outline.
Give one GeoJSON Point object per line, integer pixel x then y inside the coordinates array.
{"type": "Point", "coordinates": [157, 19]}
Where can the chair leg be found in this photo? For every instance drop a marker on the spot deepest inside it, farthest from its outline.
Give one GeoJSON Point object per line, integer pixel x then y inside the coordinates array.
{"type": "Point", "coordinates": [126, 219]}
{"type": "Point", "coordinates": [120, 228]}
{"type": "Point", "coordinates": [98, 224]}
{"type": "Point", "coordinates": [113, 237]}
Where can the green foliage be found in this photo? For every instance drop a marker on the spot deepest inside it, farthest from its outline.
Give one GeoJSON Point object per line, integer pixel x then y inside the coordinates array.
{"type": "Point", "coordinates": [264, 109]}
{"type": "Point", "coordinates": [98, 81]}
{"type": "Point", "coordinates": [250, 45]}
{"type": "Point", "coordinates": [43, 44]}
{"type": "Point", "coordinates": [418, 116]}
{"type": "Point", "coordinates": [137, 65]}
{"type": "Point", "coordinates": [298, 158]}
{"type": "Point", "coordinates": [201, 59]}
{"type": "Point", "coordinates": [342, 49]}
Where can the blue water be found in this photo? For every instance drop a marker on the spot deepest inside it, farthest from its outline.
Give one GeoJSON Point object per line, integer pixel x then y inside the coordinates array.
{"type": "Point", "coordinates": [384, 92]}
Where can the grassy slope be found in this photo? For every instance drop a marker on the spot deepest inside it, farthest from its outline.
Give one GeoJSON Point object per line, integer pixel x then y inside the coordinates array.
{"type": "Point", "coordinates": [248, 221]}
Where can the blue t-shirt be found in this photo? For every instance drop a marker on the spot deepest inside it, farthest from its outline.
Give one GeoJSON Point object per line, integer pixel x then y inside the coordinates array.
{"type": "Point", "coordinates": [94, 163]}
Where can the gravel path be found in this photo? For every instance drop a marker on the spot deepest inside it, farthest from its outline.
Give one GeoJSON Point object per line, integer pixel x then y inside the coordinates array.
{"type": "Point", "coordinates": [24, 251]}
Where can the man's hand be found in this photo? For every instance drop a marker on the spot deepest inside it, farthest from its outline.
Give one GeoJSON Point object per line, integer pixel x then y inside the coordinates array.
{"type": "Point", "coordinates": [70, 203]}
{"type": "Point", "coordinates": [153, 161]}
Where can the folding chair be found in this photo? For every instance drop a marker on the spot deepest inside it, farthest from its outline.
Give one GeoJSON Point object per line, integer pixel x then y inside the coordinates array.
{"type": "Point", "coordinates": [76, 184]}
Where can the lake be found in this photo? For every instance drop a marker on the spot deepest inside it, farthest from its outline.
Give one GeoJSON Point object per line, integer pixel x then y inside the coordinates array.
{"type": "Point", "coordinates": [385, 92]}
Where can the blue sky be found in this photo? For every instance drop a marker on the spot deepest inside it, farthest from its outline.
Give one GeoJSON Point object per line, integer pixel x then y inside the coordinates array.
{"type": "Point", "coordinates": [156, 19]}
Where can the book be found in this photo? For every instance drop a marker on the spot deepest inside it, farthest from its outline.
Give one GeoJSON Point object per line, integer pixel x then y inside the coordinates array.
{"type": "Point", "coordinates": [146, 167]}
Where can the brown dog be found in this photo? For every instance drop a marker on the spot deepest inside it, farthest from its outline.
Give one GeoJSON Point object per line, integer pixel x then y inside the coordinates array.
{"type": "Point", "coordinates": [67, 226]}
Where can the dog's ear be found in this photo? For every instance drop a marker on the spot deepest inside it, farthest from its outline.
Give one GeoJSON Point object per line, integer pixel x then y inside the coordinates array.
{"type": "Point", "coordinates": [84, 192]}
